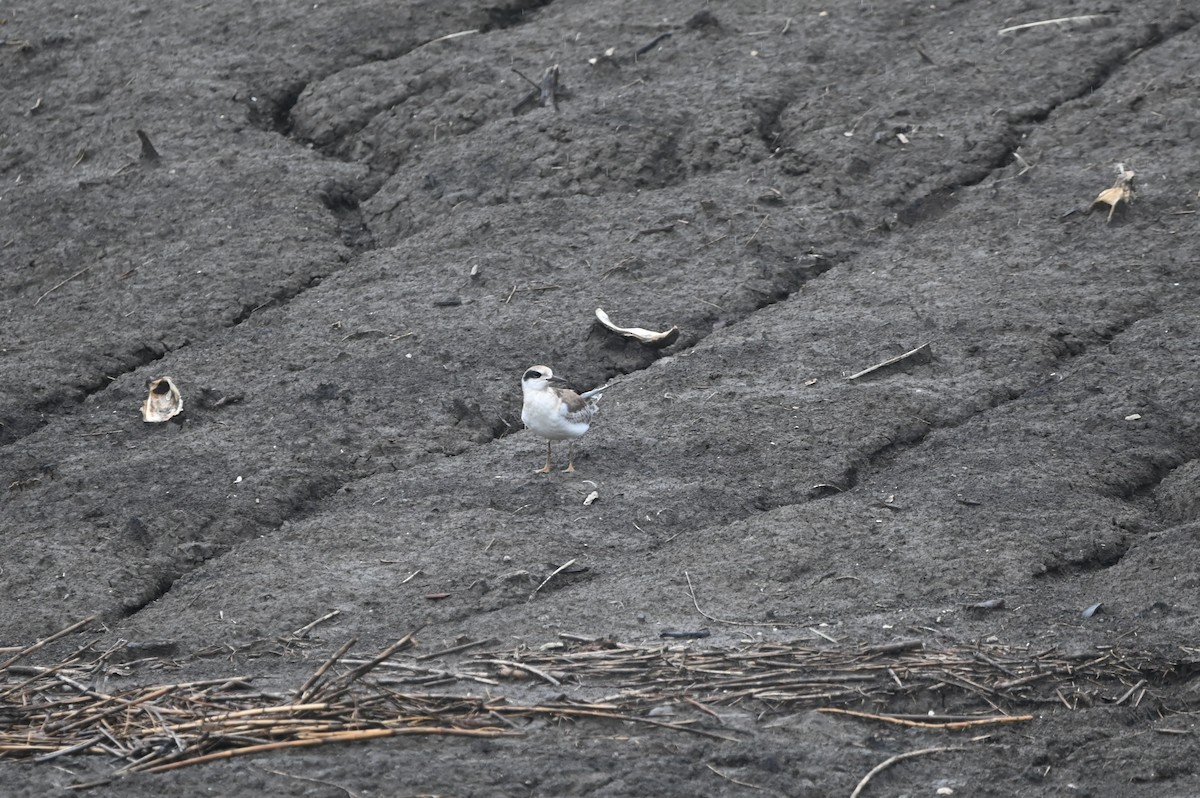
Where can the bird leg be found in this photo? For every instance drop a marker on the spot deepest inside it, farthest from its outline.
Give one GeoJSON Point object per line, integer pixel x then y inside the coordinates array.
{"type": "Point", "coordinates": [570, 458]}
{"type": "Point", "coordinates": [546, 468]}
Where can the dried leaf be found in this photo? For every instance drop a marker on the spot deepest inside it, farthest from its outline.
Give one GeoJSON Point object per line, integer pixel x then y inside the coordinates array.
{"type": "Point", "coordinates": [1120, 191]}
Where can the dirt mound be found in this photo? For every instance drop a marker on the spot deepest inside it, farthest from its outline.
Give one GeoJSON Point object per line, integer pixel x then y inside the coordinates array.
{"type": "Point", "coordinates": [364, 222]}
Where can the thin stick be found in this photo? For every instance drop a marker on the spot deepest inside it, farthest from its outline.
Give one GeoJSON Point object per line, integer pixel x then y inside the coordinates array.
{"type": "Point", "coordinates": [557, 570]}
{"type": "Point", "coordinates": [732, 779]}
{"type": "Point", "coordinates": [47, 641]}
{"type": "Point", "coordinates": [1129, 692]}
{"type": "Point", "coordinates": [120, 706]}
{"type": "Point", "coordinates": [919, 356]}
{"type": "Point", "coordinates": [455, 649]}
{"type": "Point", "coordinates": [597, 713]}
{"type": "Point", "coordinates": [521, 75]}
{"type": "Point", "coordinates": [331, 737]}
{"type": "Point", "coordinates": [90, 785]}
{"type": "Point", "coordinates": [1058, 21]}
{"type": "Point", "coordinates": [346, 790]}
{"type": "Point", "coordinates": [954, 724]}
{"type": "Point", "coordinates": [756, 230]}
{"type": "Point", "coordinates": [82, 271]}
{"type": "Point", "coordinates": [343, 682]}
{"type": "Point", "coordinates": [309, 686]}
{"type": "Point", "coordinates": [38, 673]}
{"type": "Point", "coordinates": [69, 749]}
{"type": "Point", "coordinates": [521, 666]}
{"type": "Point", "coordinates": [309, 626]}
{"type": "Point", "coordinates": [816, 631]}
{"type": "Point", "coordinates": [264, 713]}
{"type": "Point", "coordinates": [887, 763]}
{"type": "Point", "coordinates": [1008, 684]}
{"type": "Point", "coordinates": [450, 36]}
{"type": "Point", "coordinates": [696, 604]}
{"type": "Point", "coordinates": [701, 707]}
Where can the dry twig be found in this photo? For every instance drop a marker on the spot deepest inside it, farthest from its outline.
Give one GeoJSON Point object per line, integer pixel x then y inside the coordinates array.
{"type": "Point", "coordinates": [53, 712]}
{"type": "Point", "coordinates": [1087, 19]}
{"type": "Point", "coordinates": [79, 273]}
{"type": "Point", "coordinates": [966, 723]}
{"type": "Point", "coordinates": [887, 763]}
{"type": "Point", "coordinates": [553, 574]}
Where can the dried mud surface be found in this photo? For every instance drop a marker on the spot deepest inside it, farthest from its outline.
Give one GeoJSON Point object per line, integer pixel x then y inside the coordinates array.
{"type": "Point", "coordinates": [353, 241]}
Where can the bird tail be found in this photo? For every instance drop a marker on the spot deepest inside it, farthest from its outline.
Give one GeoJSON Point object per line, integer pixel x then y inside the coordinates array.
{"type": "Point", "coordinates": [596, 393]}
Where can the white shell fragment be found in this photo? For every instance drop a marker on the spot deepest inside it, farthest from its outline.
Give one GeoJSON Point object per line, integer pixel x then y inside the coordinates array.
{"type": "Point", "coordinates": [163, 403]}
{"type": "Point", "coordinates": [654, 340]}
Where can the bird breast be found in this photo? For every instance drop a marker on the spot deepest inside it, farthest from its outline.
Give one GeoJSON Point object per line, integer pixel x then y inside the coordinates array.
{"type": "Point", "coordinates": [546, 415]}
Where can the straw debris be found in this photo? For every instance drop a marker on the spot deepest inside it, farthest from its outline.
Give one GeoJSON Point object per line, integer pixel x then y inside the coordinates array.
{"type": "Point", "coordinates": [69, 709]}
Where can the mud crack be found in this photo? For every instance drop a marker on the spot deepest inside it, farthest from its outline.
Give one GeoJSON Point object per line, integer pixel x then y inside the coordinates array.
{"type": "Point", "coordinates": [1099, 556]}
{"type": "Point", "coordinates": [148, 594]}
{"type": "Point", "coordinates": [64, 398]}
{"type": "Point", "coordinates": [510, 15]}
{"type": "Point", "coordinates": [940, 199]}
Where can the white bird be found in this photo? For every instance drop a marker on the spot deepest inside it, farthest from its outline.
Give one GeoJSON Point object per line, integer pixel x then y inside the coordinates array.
{"type": "Point", "coordinates": [556, 414]}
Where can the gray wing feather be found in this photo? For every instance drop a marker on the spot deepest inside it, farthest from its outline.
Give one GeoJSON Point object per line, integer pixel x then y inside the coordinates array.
{"type": "Point", "coordinates": [580, 409]}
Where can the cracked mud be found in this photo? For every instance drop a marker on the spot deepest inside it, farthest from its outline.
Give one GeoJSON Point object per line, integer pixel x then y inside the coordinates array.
{"type": "Point", "coordinates": [356, 238]}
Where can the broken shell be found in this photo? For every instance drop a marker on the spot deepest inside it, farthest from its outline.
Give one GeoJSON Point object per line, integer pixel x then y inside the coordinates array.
{"type": "Point", "coordinates": [654, 340]}
{"type": "Point", "coordinates": [163, 403]}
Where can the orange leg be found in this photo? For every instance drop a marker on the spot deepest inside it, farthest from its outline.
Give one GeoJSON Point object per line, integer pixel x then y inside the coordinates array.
{"type": "Point", "coordinates": [546, 468]}
{"type": "Point", "coordinates": [570, 459]}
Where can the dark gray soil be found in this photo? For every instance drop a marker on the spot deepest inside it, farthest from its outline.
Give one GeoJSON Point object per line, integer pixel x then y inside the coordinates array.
{"type": "Point", "coordinates": [354, 241]}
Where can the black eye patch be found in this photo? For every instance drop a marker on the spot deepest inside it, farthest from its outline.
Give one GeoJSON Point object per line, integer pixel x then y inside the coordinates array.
{"type": "Point", "coordinates": [533, 374]}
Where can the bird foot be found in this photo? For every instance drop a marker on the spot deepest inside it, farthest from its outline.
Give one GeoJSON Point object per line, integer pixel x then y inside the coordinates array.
{"type": "Point", "coordinates": [570, 469]}
{"type": "Point", "coordinates": [543, 470]}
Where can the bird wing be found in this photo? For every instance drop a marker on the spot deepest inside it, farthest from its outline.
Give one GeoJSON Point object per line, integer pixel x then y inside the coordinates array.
{"type": "Point", "coordinates": [575, 408]}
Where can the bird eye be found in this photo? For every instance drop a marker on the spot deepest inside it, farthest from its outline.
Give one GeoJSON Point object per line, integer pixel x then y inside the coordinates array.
{"type": "Point", "coordinates": [533, 374]}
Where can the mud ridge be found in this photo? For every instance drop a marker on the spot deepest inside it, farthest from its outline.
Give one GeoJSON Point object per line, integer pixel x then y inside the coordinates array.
{"type": "Point", "coordinates": [1098, 558]}
{"type": "Point", "coordinates": [301, 503]}
{"type": "Point", "coordinates": [936, 202]}
{"type": "Point", "coordinates": [280, 297]}
{"type": "Point", "coordinates": [152, 593]}
{"type": "Point", "coordinates": [343, 202]}
{"type": "Point", "coordinates": [911, 438]}
{"type": "Point", "coordinates": [1154, 470]}
{"type": "Point", "coordinates": [70, 396]}
{"type": "Point", "coordinates": [67, 397]}
{"type": "Point", "coordinates": [1070, 353]}
{"type": "Point", "coordinates": [510, 15]}
{"type": "Point", "coordinates": [1155, 36]}
{"type": "Point", "coordinates": [271, 107]}
{"type": "Point", "coordinates": [902, 441]}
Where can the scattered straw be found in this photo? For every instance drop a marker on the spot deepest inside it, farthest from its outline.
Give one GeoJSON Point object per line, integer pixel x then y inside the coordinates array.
{"type": "Point", "coordinates": [67, 709]}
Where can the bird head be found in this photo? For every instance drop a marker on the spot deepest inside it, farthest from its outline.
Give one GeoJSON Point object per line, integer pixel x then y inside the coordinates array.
{"type": "Point", "coordinates": [538, 377]}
